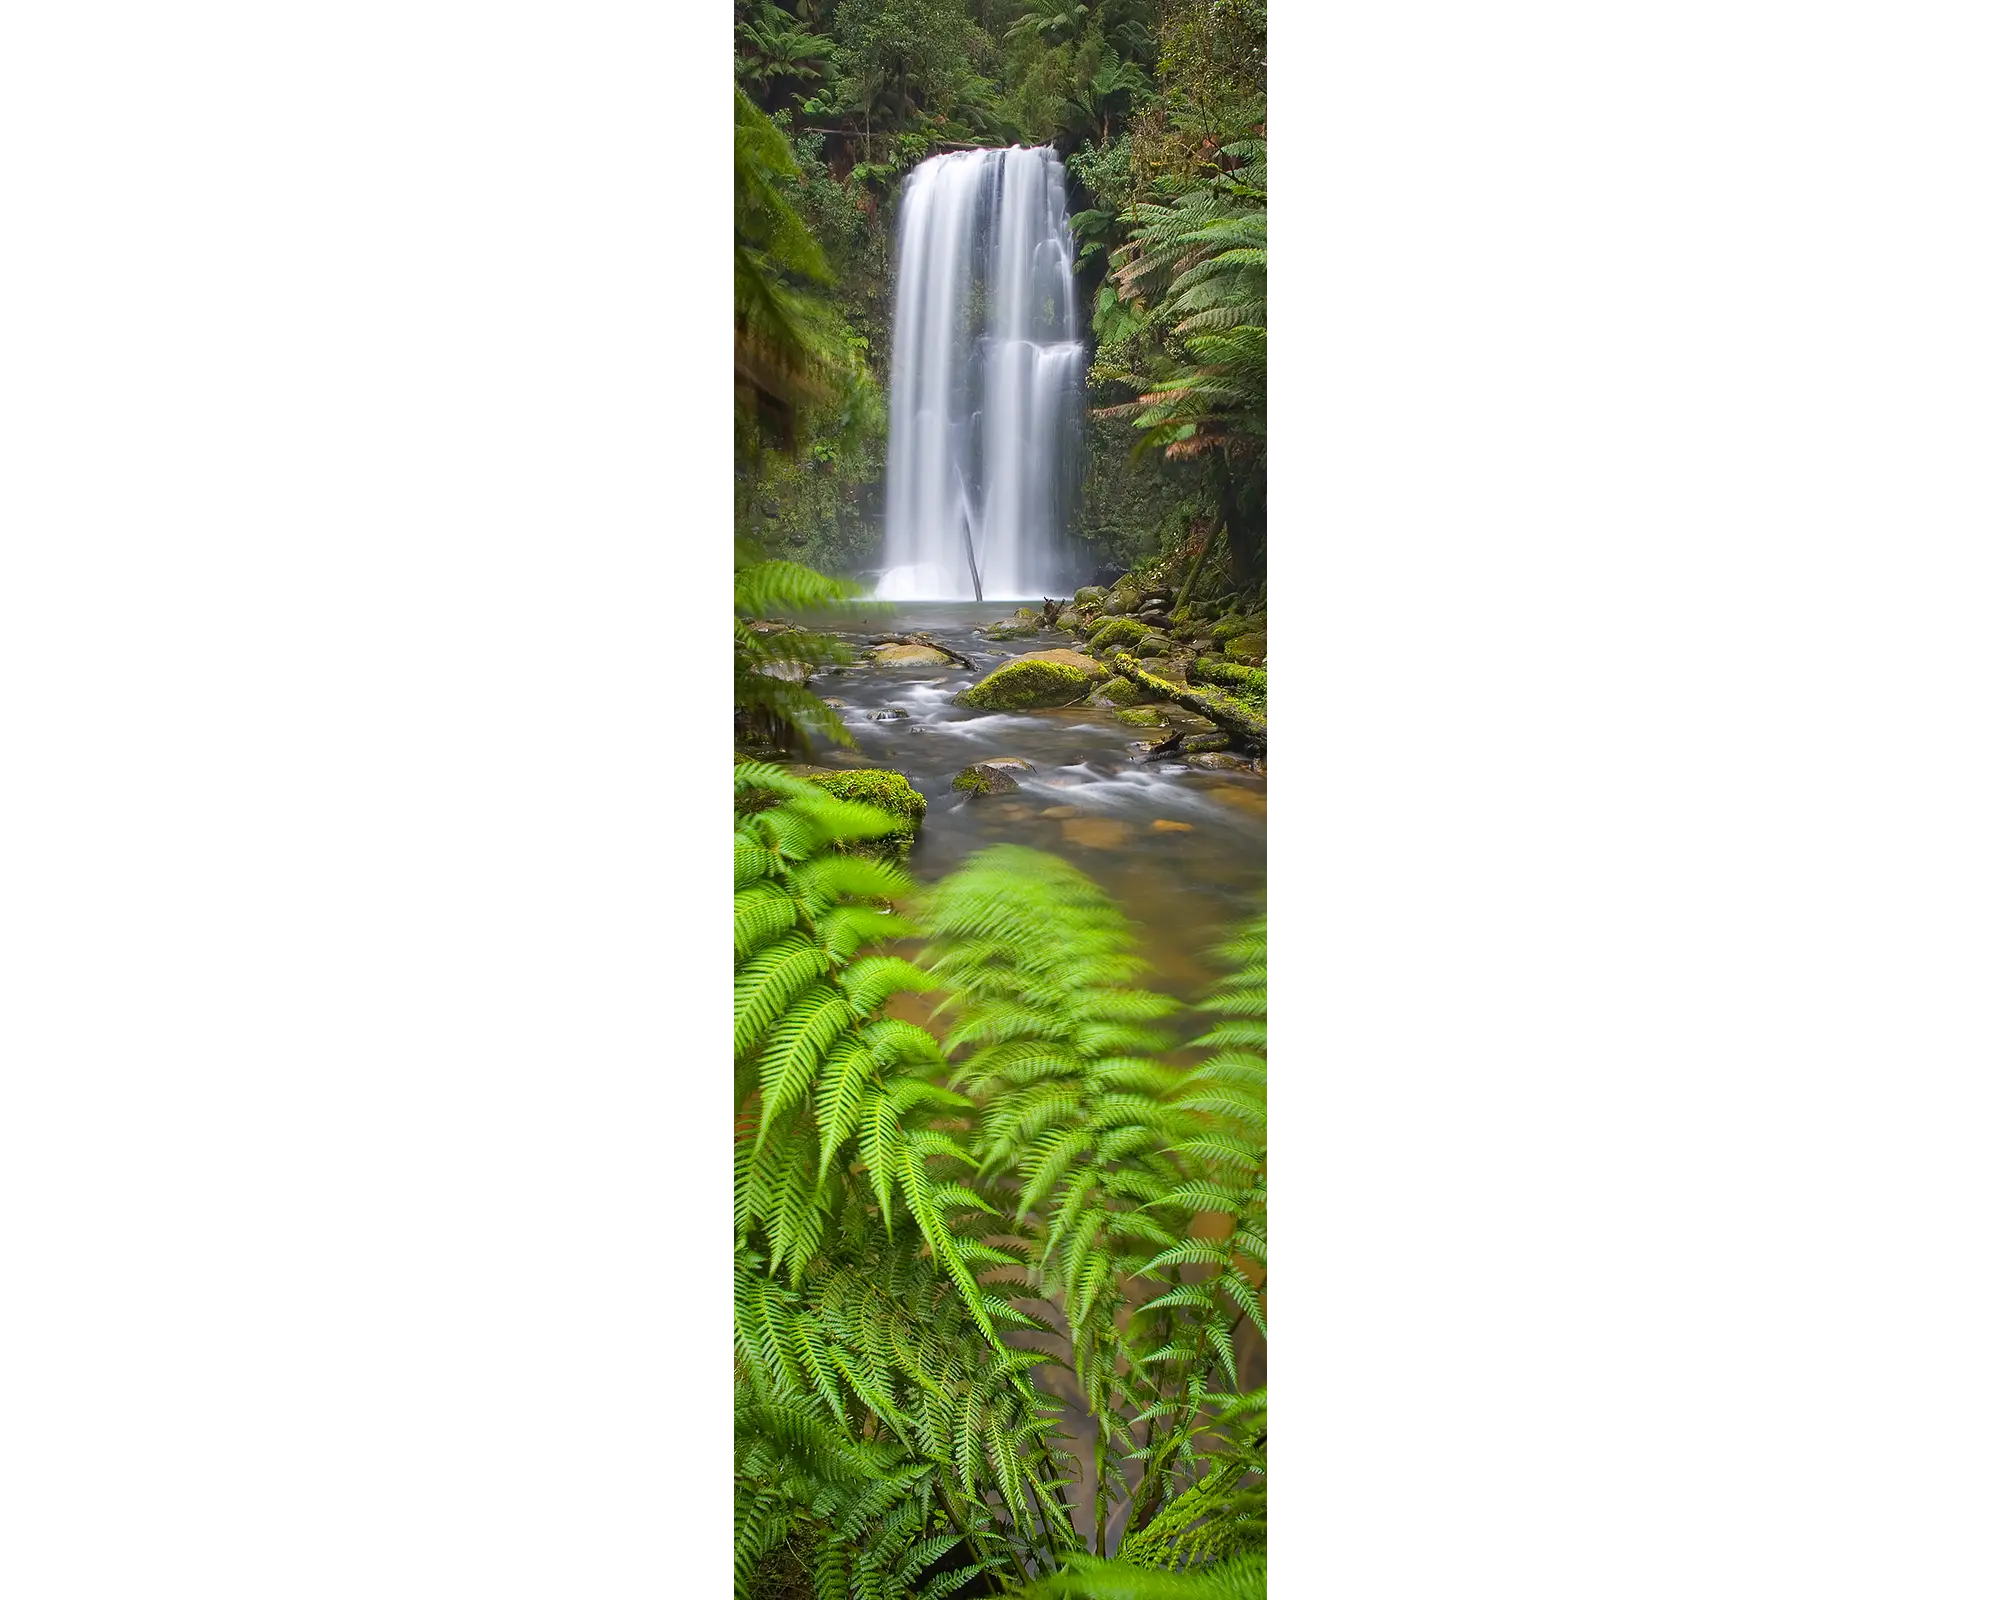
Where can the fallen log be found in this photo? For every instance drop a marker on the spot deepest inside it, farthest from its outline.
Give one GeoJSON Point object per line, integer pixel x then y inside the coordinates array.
{"type": "Point", "coordinates": [926, 640]}
{"type": "Point", "coordinates": [1242, 725]}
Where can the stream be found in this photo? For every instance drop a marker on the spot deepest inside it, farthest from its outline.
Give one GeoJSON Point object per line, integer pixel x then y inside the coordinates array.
{"type": "Point", "coordinates": [1180, 849]}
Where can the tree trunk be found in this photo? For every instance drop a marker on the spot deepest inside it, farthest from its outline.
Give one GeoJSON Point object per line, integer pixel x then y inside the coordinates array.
{"type": "Point", "coordinates": [1200, 561]}
{"type": "Point", "coordinates": [1241, 724]}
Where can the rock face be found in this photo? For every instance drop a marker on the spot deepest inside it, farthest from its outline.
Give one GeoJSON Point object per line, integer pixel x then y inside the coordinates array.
{"type": "Point", "coordinates": [1046, 678]}
{"type": "Point", "coordinates": [985, 778]}
{"type": "Point", "coordinates": [899, 655]}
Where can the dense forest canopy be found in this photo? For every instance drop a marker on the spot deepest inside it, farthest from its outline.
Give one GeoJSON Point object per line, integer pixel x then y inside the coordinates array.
{"type": "Point", "coordinates": [1157, 107]}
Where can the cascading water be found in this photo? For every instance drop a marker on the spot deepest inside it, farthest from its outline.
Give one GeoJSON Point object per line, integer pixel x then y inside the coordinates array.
{"type": "Point", "coordinates": [985, 381]}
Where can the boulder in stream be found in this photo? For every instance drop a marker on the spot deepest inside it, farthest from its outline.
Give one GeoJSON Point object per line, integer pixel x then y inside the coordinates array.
{"type": "Point", "coordinates": [985, 779]}
{"type": "Point", "coordinates": [904, 655]}
{"type": "Point", "coordinates": [1030, 682]}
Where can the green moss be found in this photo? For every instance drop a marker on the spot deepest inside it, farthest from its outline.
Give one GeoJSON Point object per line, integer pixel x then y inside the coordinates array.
{"type": "Point", "coordinates": [1140, 717]}
{"type": "Point", "coordinates": [1235, 627]}
{"type": "Point", "coordinates": [1124, 692]}
{"type": "Point", "coordinates": [886, 791]}
{"type": "Point", "coordinates": [1152, 645]}
{"type": "Point", "coordinates": [985, 780]}
{"type": "Point", "coordinates": [1245, 647]}
{"type": "Point", "coordinates": [1026, 686]}
{"type": "Point", "coordinates": [1248, 683]}
{"type": "Point", "coordinates": [1116, 633]}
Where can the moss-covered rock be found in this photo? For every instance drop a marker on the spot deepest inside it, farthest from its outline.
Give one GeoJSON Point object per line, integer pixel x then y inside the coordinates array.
{"type": "Point", "coordinates": [985, 779]}
{"type": "Point", "coordinates": [1116, 633]}
{"type": "Point", "coordinates": [1248, 683]}
{"type": "Point", "coordinates": [1063, 656]}
{"type": "Point", "coordinates": [883, 789]}
{"type": "Point", "coordinates": [1245, 647]}
{"type": "Point", "coordinates": [1125, 595]}
{"type": "Point", "coordinates": [1027, 684]}
{"type": "Point", "coordinates": [1140, 717]}
{"type": "Point", "coordinates": [1154, 644]}
{"type": "Point", "coordinates": [907, 655]}
{"type": "Point", "coordinates": [1088, 595]}
{"type": "Point", "coordinates": [1013, 629]}
{"type": "Point", "coordinates": [1118, 692]}
{"type": "Point", "coordinates": [1235, 627]}
{"type": "Point", "coordinates": [1069, 618]}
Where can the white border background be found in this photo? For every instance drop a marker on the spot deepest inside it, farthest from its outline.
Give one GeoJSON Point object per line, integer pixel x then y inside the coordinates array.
{"type": "Point", "coordinates": [1633, 853]}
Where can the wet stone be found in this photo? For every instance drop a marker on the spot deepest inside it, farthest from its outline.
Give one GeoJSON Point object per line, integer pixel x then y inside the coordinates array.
{"type": "Point", "coordinates": [985, 779]}
{"type": "Point", "coordinates": [1097, 833]}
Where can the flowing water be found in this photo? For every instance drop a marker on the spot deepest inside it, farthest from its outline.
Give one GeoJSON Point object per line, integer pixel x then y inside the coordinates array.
{"type": "Point", "coordinates": [986, 381]}
{"type": "Point", "coordinates": [1182, 850]}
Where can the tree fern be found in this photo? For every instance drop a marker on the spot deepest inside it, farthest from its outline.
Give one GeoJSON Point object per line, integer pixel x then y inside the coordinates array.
{"type": "Point", "coordinates": [858, 1301]}
{"type": "Point", "coordinates": [774, 709]}
{"type": "Point", "coordinates": [1100, 1150]}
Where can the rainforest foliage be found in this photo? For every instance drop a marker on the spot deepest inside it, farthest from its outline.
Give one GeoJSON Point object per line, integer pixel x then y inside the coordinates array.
{"type": "Point", "coordinates": [1000, 1230]}
{"type": "Point", "coordinates": [1158, 109]}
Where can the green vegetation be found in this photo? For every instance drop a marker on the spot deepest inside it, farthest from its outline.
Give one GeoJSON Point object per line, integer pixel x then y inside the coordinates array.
{"type": "Point", "coordinates": [1116, 633]}
{"type": "Point", "coordinates": [886, 791]}
{"type": "Point", "coordinates": [776, 713]}
{"type": "Point", "coordinates": [1246, 682]}
{"type": "Point", "coordinates": [1027, 686]}
{"type": "Point", "coordinates": [1158, 109]}
{"type": "Point", "coordinates": [907, 1202]}
{"type": "Point", "coordinates": [1058, 1167]}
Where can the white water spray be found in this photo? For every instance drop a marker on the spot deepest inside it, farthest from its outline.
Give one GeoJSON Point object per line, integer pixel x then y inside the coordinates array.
{"type": "Point", "coordinates": [985, 381]}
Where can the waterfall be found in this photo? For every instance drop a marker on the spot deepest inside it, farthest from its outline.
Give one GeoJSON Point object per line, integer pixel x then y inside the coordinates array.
{"type": "Point", "coordinates": [985, 381]}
